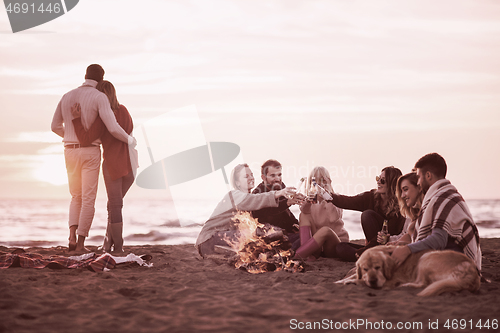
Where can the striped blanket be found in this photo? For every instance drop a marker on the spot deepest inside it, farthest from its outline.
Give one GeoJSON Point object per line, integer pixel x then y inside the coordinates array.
{"type": "Point", "coordinates": [91, 261]}
{"type": "Point", "coordinates": [444, 208]}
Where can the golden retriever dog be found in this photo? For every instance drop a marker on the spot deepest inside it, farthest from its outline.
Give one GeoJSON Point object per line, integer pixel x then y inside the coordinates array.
{"type": "Point", "coordinates": [438, 271]}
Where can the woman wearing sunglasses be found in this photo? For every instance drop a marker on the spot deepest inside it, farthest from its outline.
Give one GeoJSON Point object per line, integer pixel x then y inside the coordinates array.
{"type": "Point", "coordinates": [376, 205]}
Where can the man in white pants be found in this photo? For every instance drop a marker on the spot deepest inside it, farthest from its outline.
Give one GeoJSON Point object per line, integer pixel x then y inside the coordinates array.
{"type": "Point", "coordinates": [83, 162]}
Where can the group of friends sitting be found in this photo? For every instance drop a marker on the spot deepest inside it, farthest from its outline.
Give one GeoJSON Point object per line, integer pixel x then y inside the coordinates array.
{"type": "Point", "coordinates": [421, 209]}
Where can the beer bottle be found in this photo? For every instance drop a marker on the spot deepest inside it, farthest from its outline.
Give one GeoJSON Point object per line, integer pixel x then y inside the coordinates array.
{"type": "Point", "coordinates": [312, 191]}
{"type": "Point", "coordinates": [385, 231]}
{"type": "Point", "coordinates": [300, 183]}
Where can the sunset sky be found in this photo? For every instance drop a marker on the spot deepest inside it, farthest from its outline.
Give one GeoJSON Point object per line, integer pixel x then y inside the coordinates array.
{"type": "Point", "coordinates": [351, 85]}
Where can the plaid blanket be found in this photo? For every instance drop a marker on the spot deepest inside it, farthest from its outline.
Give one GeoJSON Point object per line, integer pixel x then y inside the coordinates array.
{"type": "Point", "coordinates": [444, 208]}
{"type": "Point", "coordinates": [91, 261]}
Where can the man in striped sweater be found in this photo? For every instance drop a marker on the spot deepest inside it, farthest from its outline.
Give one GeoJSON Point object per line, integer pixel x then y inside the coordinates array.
{"type": "Point", "coordinates": [444, 221]}
{"type": "Point", "coordinates": [83, 161]}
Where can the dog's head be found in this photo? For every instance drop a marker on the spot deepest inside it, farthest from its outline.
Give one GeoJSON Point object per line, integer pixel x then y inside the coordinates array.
{"type": "Point", "coordinates": [375, 266]}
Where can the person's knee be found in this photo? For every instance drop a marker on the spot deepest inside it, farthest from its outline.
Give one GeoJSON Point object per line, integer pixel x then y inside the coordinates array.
{"type": "Point", "coordinates": [370, 220]}
{"type": "Point", "coordinates": [327, 230]}
{"type": "Point", "coordinates": [325, 233]}
{"type": "Point", "coordinates": [114, 204]}
{"type": "Point", "coordinates": [369, 216]}
{"type": "Point", "coordinates": [88, 204]}
{"type": "Point", "coordinates": [76, 198]}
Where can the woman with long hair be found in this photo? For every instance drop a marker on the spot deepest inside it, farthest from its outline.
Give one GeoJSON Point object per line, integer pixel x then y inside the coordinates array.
{"type": "Point", "coordinates": [220, 229]}
{"type": "Point", "coordinates": [409, 195]}
{"type": "Point", "coordinates": [117, 165]}
{"type": "Point", "coordinates": [410, 199]}
{"type": "Point", "coordinates": [377, 205]}
{"type": "Point", "coordinates": [321, 220]}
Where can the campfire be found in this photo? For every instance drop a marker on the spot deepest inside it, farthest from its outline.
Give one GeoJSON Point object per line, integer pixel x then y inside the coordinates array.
{"type": "Point", "coordinates": [262, 248]}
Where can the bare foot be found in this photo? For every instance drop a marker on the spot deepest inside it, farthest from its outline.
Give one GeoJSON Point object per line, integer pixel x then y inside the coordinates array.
{"type": "Point", "coordinates": [71, 246]}
{"type": "Point", "coordinates": [72, 238]}
{"type": "Point", "coordinates": [80, 245]}
{"type": "Point", "coordinates": [82, 250]}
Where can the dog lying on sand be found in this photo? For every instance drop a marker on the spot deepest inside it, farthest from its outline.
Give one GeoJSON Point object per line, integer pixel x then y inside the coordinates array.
{"type": "Point", "coordinates": [438, 271]}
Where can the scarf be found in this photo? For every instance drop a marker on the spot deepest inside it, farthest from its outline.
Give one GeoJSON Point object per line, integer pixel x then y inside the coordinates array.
{"type": "Point", "coordinates": [444, 208]}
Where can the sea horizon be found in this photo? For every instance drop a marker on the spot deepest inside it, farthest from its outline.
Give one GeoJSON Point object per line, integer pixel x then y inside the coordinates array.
{"type": "Point", "coordinates": [28, 222]}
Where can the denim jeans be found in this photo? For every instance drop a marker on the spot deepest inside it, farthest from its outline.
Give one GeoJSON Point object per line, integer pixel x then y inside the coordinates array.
{"type": "Point", "coordinates": [372, 223]}
{"type": "Point", "coordinates": [116, 190]}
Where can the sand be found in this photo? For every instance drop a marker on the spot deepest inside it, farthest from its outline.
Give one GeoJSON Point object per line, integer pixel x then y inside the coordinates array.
{"type": "Point", "coordinates": [184, 293]}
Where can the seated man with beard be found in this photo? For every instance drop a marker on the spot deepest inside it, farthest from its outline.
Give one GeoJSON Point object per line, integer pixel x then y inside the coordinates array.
{"type": "Point", "coordinates": [280, 216]}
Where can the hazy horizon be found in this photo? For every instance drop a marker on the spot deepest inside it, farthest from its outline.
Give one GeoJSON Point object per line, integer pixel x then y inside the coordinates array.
{"type": "Point", "coordinates": [353, 86]}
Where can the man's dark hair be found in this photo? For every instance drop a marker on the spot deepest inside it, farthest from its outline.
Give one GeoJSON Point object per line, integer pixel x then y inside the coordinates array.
{"type": "Point", "coordinates": [434, 163]}
{"type": "Point", "coordinates": [267, 164]}
{"type": "Point", "coordinates": [95, 72]}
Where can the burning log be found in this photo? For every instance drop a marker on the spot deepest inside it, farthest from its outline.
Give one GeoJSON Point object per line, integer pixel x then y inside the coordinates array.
{"type": "Point", "coordinates": [262, 248]}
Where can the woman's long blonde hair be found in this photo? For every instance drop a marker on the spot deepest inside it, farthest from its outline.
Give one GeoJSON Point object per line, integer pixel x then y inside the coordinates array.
{"type": "Point", "coordinates": [235, 173]}
{"type": "Point", "coordinates": [409, 212]}
{"type": "Point", "coordinates": [322, 176]}
{"type": "Point", "coordinates": [109, 90]}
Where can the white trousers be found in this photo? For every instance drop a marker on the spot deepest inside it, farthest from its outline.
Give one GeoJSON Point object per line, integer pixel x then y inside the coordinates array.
{"type": "Point", "coordinates": [82, 165]}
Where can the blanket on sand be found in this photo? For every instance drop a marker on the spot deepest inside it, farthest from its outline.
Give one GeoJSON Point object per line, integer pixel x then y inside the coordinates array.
{"type": "Point", "coordinates": [91, 261]}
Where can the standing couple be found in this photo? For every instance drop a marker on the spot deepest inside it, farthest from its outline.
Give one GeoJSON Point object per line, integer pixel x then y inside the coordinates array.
{"type": "Point", "coordinates": [86, 117]}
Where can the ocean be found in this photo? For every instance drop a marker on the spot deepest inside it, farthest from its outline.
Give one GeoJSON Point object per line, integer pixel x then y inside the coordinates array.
{"type": "Point", "coordinates": [30, 222]}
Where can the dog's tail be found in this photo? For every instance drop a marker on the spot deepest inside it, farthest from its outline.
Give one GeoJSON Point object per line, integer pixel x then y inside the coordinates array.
{"type": "Point", "coordinates": [464, 276]}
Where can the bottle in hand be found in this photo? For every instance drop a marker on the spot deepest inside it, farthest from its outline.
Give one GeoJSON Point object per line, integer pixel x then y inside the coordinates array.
{"type": "Point", "coordinates": [385, 232]}
{"type": "Point", "coordinates": [312, 191]}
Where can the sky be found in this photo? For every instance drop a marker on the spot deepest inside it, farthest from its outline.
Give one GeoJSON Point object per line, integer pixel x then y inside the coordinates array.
{"type": "Point", "coordinates": [351, 85]}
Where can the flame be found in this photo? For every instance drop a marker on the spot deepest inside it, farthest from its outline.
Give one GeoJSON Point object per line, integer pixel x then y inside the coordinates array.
{"type": "Point", "coordinates": [256, 250]}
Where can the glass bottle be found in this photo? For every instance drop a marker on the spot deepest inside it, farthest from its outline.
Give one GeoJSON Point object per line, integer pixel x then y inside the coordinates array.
{"type": "Point", "coordinates": [300, 183]}
{"type": "Point", "coordinates": [312, 191]}
{"type": "Point", "coordinates": [321, 191]}
{"type": "Point", "coordinates": [385, 232]}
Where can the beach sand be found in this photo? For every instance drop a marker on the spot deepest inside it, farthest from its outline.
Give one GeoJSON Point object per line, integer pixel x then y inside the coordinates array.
{"type": "Point", "coordinates": [184, 293]}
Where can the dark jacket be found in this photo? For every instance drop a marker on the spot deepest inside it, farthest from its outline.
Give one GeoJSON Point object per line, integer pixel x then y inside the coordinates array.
{"type": "Point", "coordinates": [366, 201]}
{"type": "Point", "coordinates": [280, 216]}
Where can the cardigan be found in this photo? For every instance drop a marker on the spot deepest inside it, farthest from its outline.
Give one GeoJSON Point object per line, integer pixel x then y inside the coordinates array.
{"type": "Point", "coordinates": [94, 103]}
